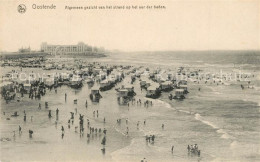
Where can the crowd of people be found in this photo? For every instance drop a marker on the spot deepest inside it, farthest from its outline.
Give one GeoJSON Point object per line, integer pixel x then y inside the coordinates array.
{"type": "Point", "coordinates": [150, 138]}
{"type": "Point", "coordinates": [98, 131]}
{"type": "Point", "coordinates": [193, 149]}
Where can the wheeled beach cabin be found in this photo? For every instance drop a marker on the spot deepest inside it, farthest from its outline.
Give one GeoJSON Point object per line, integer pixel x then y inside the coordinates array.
{"type": "Point", "coordinates": [142, 83]}
{"type": "Point", "coordinates": [179, 94]}
{"type": "Point", "coordinates": [95, 94]}
{"type": "Point", "coordinates": [49, 82]}
{"type": "Point", "coordinates": [153, 92]}
{"type": "Point", "coordinates": [122, 93]}
{"type": "Point", "coordinates": [105, 85]}
{"type": "Point", "coordinates": [166, 86]}
{"type": "Point", "coordinates": [26, 88]}
{"type": "Point", "coordinates": [184, 87]}
{"type": "Point", "coordinates": [76, 81]}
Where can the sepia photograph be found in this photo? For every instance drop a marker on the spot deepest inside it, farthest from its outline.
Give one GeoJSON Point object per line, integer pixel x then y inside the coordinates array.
{"type": "Point", "coordinates": [130, 80]}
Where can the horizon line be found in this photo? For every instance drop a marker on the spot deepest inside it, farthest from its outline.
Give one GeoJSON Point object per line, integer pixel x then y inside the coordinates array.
{"type": "Point", "coordinates": [126, 51]}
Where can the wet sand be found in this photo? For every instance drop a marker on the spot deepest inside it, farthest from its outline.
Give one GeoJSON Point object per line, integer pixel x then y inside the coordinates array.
{"type": "Point", "coordinates": [222, 120]}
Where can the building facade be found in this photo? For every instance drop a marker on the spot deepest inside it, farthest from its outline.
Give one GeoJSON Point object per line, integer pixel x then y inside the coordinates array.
{"type": "Point", "coordinates": [23, 50]}
{"type": "Point", "coordinates": [80, 48]}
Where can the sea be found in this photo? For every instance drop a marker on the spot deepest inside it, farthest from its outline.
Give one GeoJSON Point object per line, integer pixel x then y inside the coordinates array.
{"type": "Point", "coordinates": [222, 119]}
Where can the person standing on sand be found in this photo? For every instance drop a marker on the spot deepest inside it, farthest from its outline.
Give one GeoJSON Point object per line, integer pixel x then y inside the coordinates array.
{"type": "Point", "coordinates": [65, 96]}
{"type": "Point", "coordinates": [172, 148]}
{"type": "Point", "coordinates": [68, 123]}
{"type": "Point", "coordinates": [57, 113]}
{"type": "Point", "coordinates": [153, 137]}
{"type": "Point", "coordinates": [88, 123]}
{"type": "Point", "coordinates": [72, 117]}
{"type": "Point", "coordinates": [30, 133]}
{"type": "Point", "coordinates": [62, 129]}
{"type": "Point", "coordinates": [20, 129]}
{"type": "Point", "coordinates": [24, 118]}
{"type": "Point", "coordinates": [105, 131]}
{"type": "Point", "coordinates": [49, 115]}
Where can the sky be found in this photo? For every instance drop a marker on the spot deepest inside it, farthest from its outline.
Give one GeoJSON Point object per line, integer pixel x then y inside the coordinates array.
{"type": "Point", "coordinates": [183, 25]}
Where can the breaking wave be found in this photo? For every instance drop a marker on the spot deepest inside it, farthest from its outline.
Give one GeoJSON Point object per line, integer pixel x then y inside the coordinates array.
{"type": "Point", "coordinates": [225, 135]}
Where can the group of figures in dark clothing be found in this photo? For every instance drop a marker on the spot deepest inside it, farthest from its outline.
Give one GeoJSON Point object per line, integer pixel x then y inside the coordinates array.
{"type": "Point", "coordinates": [150, 138]}
{"type": "Point", "coordinates": [193, 150]}
{"type": "Point", "coordinates": [92, 130]}
{"type": "Point", "coordinates": [38, 89]}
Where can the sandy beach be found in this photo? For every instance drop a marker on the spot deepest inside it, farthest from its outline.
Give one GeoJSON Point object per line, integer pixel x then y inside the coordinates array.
{"type": "Point", "coordinates": [221, 119]}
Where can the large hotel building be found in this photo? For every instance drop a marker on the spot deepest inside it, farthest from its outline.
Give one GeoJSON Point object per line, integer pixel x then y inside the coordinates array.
{"type": "Point", "coordinates": [80, 48]}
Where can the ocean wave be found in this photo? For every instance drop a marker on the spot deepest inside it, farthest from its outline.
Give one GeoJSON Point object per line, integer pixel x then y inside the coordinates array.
{"type": "Point", "coordinates": [185, 111]}
{"type": "Point", "coordinates": [212, 88]}
{"type": "Point", "coordinates": [217, 93]}
{"type": "Point", "coordinates": [117, 155]}
{"type": "Point", "coordinates": [198, 117]}
{"type": "Point", "coordinates": [234, 144]}
{"type": "Point", "coordinates": [120, 131]}
{"type": "Point", "coordinates": [210, 65]}
{"type": "Point", "coordinates": [255, 100]}
{"type": "Point", "coordinates": [225, 135]}
{"type": "Point", "coordinates": [165, 104]}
